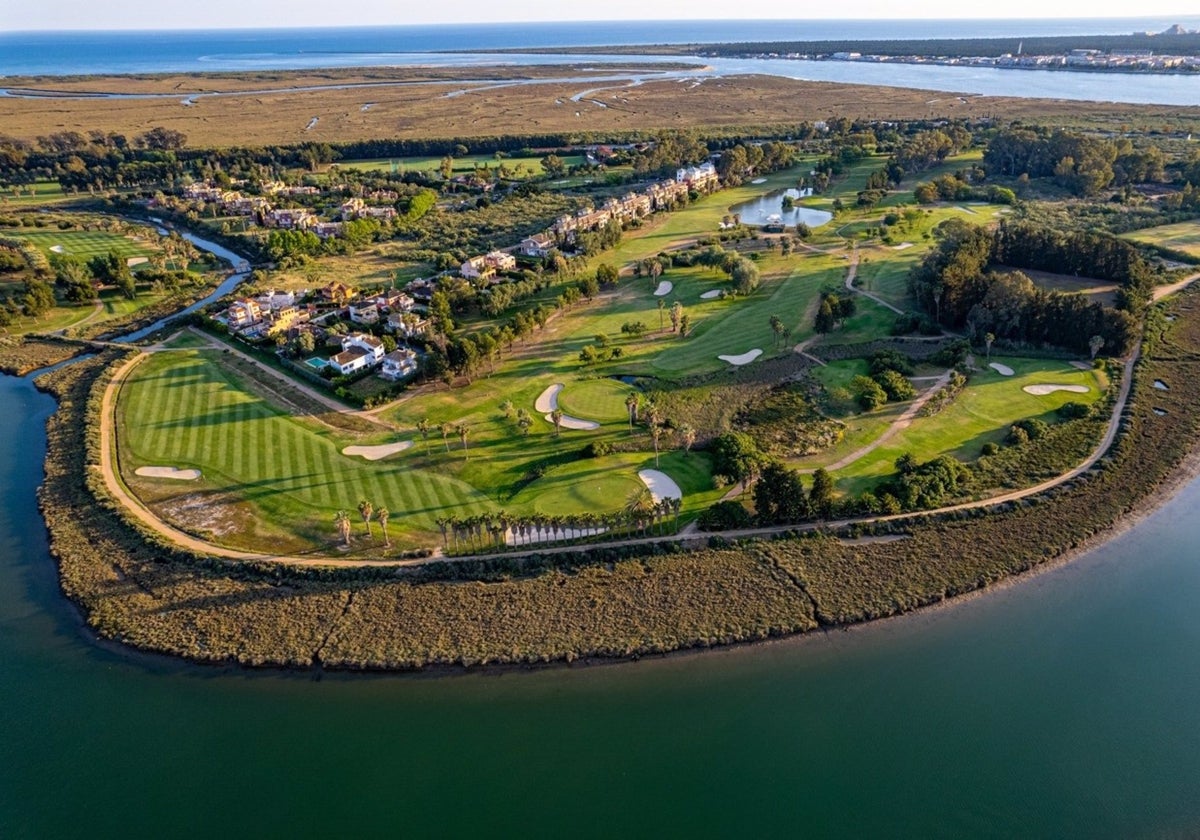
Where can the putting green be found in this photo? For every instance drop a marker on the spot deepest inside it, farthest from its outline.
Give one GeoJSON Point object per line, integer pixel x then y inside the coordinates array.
{"type": "Point", "coordinates": [596, 399]}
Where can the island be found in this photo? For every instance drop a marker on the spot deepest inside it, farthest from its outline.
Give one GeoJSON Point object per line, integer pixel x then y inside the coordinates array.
{"type": "Point", "coordinates": [538, 395]}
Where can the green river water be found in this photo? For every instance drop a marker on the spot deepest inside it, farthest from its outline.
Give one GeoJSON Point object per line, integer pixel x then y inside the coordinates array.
{"type": "Point", "coordinates": [1067, 705]}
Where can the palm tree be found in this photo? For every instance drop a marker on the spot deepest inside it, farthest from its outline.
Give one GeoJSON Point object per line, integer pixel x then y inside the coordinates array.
{"type": "Point", "coordinates": [463, 430]}
{"type": "Point", "coordinates": [424, 427]}
{"type": "Point", "coordinates": [631, 405]}
{"type": "Point", "coordinates": [656, 435]}
{"type": "Point", "coordinates": [445, 429]}
{"type": "Point", "coordinates": [988, 338]}
{"type": "Point", "coordinates": [342, 520]}
{"type": "Point", "coordinates": [556, 416]}
{"type": "Point", "coordinates": [639, 504]}
{"type": "Point", "coordinates": [382, 515]}
{"type": "Point", "coordinates": [365, 509]}
{"type": "Point", "coordinates": [687, 436]}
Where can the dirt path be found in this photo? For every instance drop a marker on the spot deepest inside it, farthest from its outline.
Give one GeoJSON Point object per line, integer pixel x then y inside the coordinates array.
{"type": "Point", "coordinates": [850, 287]}
{"type": "Point", "coordinates": [898, 425]}
{"type": "Point", "coordinates": [1162, 291]}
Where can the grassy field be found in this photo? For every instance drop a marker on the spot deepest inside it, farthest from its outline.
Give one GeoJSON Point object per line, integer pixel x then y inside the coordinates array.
{"type": "Point", "coordinates": [524, 167]}
{"type": "Point", "coordinates": [1096, 291]}
{"type": "Point", "coordinates": [84, 243]}
{"type": "Point", "coordinates": [30, 195]}
{"type": "Point", "coordinates": [596, 399]}
{"type": "Point", "coordinates": [982, 413]}
{"type": "Point", "coordinates": [1184, 236]}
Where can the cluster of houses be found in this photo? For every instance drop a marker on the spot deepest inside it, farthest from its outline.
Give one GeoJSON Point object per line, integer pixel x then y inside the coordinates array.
{"type": "Point", "coordinates": [658, 196]}
{"type": "Point", "coordinates": [276, 314]}
{"type": "Point", "coordinates": [234, 203]}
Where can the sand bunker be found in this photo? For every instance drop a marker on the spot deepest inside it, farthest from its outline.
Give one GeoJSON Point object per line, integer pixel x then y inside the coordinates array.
{"type": "Point", "coordinates": [134, 261]}
{"type": "Point", "coordinates": [759, 181]}
{"type": "Point", "coordinates": [744, 359]}
{"type": "Point", "coordinates": [548, 402]}
{"type": "Point", "coordinates": [902, 246]}
{"type": "Point", "coordinates": [1045, 390]}
{"type": "Point", "coordinates": [661, 485]}
{"type": "Point", "coordinates": [173, 473]}
{"type": "Point", "coordinates": [664, 288]}
{"type": "Point", "coordinates": [1003, 370]}
{"type": "Point", "coordinates": [1160, 385]}
{"type": "Point", "coordinates": [374, 453]}
{"type": "Point", "coordinates": [58, 249]}
{"type": "Point", "coordinates": [715, 293]}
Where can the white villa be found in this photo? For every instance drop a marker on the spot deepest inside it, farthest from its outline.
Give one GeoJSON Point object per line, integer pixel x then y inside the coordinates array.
{"type": "Point", "coordinates": [538, 245]}
{"type": "Point", "coordinates": [359, 352]}
{"type": "Point", "coordinates": [368, 314]}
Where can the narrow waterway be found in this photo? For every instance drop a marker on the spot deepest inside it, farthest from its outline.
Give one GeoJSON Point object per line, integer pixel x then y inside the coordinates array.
{"type": "Point", "coordinates": [1063, 706]}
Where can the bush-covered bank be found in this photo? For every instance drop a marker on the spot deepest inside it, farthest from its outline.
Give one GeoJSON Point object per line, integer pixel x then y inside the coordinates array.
{"type": "Point", "coordinates": [22, 355]}
{"type": "Point", "coordinates": [154, 597]}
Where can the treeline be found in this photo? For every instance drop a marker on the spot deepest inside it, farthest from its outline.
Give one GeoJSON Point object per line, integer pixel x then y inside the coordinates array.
{"type": "Point", "coordinates": [954, 285]}
{"type": "Point", "coordinates": [1083, 165]}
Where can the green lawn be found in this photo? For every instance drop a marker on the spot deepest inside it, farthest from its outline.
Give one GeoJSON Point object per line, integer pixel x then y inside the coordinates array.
{"type": "Point", "coordinates": [982, 414]}
{"type": "Point", "coordinates": [528, 166]}
{"type": "Point", "coordinates": [275, 481]}
{"type": "Point", "coordinates": [26, 195]}
{"type": "Point", "coordinates": [83, 243]}
{"type": "Point", "coordinates": [596, 399]}
{"type": "Point", "coordinates": [1184, 236]}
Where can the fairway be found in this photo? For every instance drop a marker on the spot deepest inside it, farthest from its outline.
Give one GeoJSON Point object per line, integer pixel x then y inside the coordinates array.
{"type": "Point", "coordinates": [84, 243]}
{"type": "Point", "coordinates": [518, 167]}
{"type": "Point", "coordinates": [195, 414]}
{"type": "Point", "coordinates": [1184, 236]}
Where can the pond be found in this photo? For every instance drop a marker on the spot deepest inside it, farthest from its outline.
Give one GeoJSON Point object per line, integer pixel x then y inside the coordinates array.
{"type": "Point", "coordinates": [769, 208]}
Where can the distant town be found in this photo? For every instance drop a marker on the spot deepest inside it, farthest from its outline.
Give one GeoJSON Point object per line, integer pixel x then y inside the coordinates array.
{"type": "Point", "coordinates": [1083, 59]}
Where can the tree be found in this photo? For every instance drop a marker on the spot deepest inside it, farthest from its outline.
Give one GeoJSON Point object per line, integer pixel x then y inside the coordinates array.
{"type": "Point", "coordinates": [524, 421]}
{"type": "Point", "coordinates": [1095, 344]}
{"type": "Point", "coordinates": [607, 275]}
{"type": "Point", "coordinates": [685, 325]}
{"type": "Point", "coordinates": [556, 417]}
{"type": "Point", "coordinates": [342, 520]}
{"type": "Point", "coordinates": [736, 456]}
{"type": "Point", "coordinates": [820, 496]}
{"type": "Point", "coordinates": [778, 329]}
{"type": "Point", "coordinates": [745, 276]}
{"type": "Point", "coordinates": [687, 436]}
{"type": "Point", "coordinates": [463, 430]}
{"type": "Point", "coordinates": [779, 495]}
{"type": "Point", "coordinates": [656, 436]}
{"type": "Point", "coordinates": [446, 429]}
{"type": "Point", "coordinates": [382, 515]}
{"type": "Point", "coordinates": [365, 509]}
{"type": "Point", "coordinates": [554, 165]}
{"type": "Point", "coordinates": [988, 338]}
{"type": "Point", "coordinates": [631, 405]}
{"type": "Point", "coordinates": [424, 427]}
{"type": "Point", "coordinates": [676, 315]}
{"type": "Point", "coordinates": [869, 394]}
{"type": "Point", "coordinates": [824, 321]}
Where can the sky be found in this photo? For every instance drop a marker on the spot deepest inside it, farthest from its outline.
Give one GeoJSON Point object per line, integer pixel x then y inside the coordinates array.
{"type": "Point", "coordinates": [212, 14]}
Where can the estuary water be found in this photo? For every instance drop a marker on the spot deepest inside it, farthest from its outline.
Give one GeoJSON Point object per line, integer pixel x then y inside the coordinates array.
{"type": "Point", "coordinates": [1063, 706]}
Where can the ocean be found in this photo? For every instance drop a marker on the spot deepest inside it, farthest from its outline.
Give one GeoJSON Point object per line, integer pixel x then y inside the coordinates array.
{"type": "Point", "coordinates": [84, 53]}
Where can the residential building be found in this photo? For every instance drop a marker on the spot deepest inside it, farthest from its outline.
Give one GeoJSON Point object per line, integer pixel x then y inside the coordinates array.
{"type": "Point", "coordinates": [538, 245]}
{"type": "Point", "coordinates": [368, 314]}
{"type": "Point", "coordinates": [359, 351]}
{"type": "Point", "coordinates": [399, 364]}
{"type": "Point", "coordinates": [244, 313]}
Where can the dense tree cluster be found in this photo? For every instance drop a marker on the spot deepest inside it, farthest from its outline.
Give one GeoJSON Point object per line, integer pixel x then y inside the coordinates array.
{"type": "Point", "coordinates": [1084, 165]}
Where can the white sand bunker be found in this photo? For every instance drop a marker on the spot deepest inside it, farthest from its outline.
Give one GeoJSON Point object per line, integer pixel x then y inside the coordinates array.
{"type": "Point", "coordinates": [374, 453]}
{"type": "Point", "coordinates": [664, 288]}
{"type": "Point", "coordinates": [58, 249]}
{"type": "Point", "coordinates": [902, 246]}
{"type": "Point", "coordinates": [661, 485]}
{"type": "Point", "coordinates": [715, 293]}
{"type": "Point", "coordinates": [548, 402]}
{"type": "Point", "coordinates": [173, 473]}
{"type": "Point", "coordinates": [1045, 390]}
{"type": "Point", "coordinates": [759, 181]}
{"type": "Point", "coordinates": [1003, 370]}
{"type": "Point", "coordinates": [135, 261]}
{"type": "Point", "coordinates": [744, 359]}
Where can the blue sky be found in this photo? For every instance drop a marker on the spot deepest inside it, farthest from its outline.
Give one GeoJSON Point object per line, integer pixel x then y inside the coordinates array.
{"type": "Point", "coordinates": [174, 14]}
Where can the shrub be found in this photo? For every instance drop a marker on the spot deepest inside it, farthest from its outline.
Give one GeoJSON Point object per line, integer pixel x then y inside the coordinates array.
{"type": "Point", "coordinates": [597, 449]}
{"type": "Point", "coordinates": [1073, 411]}
{"type": "Point", "coordinates": [724, 516]}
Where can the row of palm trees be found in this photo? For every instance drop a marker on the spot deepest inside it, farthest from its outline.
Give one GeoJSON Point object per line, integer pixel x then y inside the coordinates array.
{"type": "Point", "coordinates": [641, 516]}
{"type": "Point", "coordinates": [366, 510]}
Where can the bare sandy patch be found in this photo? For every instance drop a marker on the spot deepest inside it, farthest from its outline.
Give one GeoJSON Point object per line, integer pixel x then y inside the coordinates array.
{"type": "Point", "coordinates": [375, 453]}
{"type": "Point", "coordinates": [173, 473]}
{"type": "Point", "coordinates": [744, 359]}
{"type": "Point", "coordinates": [664, 288]}
{"type": "Point", "coordinates": [1081, 365]}
{"type": "Point", "coordinates": [661, 485]}
{"type": "Point", "coordinates": [1045, 390]}
{"type": "Point", "coordinates": [1003, 370]}
{"type": "Point", "coordinates": [548, 402]}
{"type": "Point", "coordinates": [902, 246]}
{"type": "Point", "coordinates": [759, 181]}
{"type": "Point", "coordinates": [715, 293]}
{"type": "Point", "coordinates": [58, 249]}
